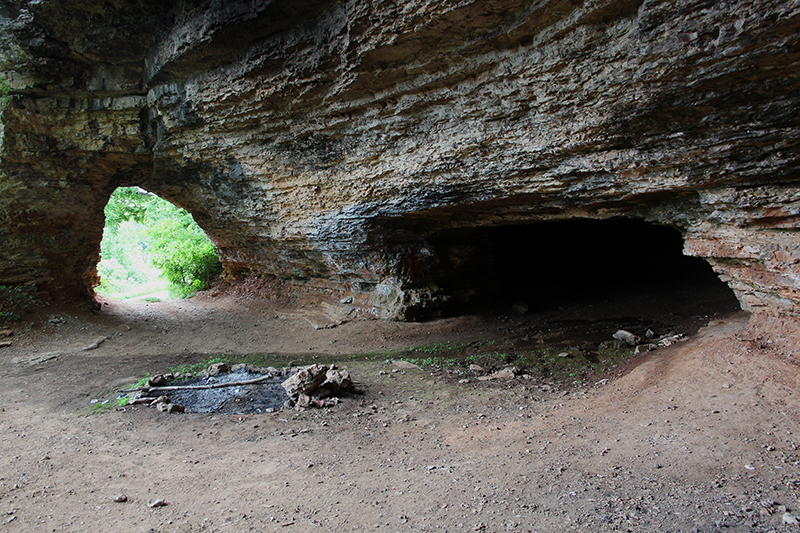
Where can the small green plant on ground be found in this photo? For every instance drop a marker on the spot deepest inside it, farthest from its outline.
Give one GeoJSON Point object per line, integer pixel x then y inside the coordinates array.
{"type": "Point", "coordinates": [436, 362]}
{"type": "Point", "coordinates": [102, 406]}
{"type": "Point", "coordinates": [557, 362]}
{"type": "Point", "coordinates": [439, 347]}
{"type": "Point", "coordinates": [196, 368]}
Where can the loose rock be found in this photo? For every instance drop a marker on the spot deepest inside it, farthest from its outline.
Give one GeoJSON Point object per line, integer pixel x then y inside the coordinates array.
{"type": "Point", "coordinates": [671, 339]}
{"type": "Point", "coordinates": [170, 407]}
{"type": "Point", "coordinates": [96, 344]}
{"type": "Point", "coordinates": [217, 369]}
{"type": "Point", "coordinates": [158, 381]}
{"type": "Point", "coordinates": [405, 365]}
{"type": "Point", "coordinates": [306, 380]}
{"type": "Point", "coordinates": [626, 337]}
{"type": "Point", "coordinates": [520, 308]}
{"type": "Point", "coordinates": [506, 373]}
{"type": "Point", "coordinates": [303, 401]}
{"type": "Point", "coordinates": [160, 399]}
{"type": "Point", "coordinates": [644, 348]}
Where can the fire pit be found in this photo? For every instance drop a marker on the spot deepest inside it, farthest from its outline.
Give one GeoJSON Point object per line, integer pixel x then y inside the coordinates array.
{"type": "Point", "coordinates": [262, 397]}
{"type": "Point", "coordinates": [244, 389]}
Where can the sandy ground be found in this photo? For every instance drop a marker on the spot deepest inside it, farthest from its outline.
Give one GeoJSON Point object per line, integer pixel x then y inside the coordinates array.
{"type": "Point", "coordinates": [700, 436]}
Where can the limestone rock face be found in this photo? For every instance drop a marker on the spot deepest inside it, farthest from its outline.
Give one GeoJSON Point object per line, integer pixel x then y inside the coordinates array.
{"type": "Point", "coordinates": [335, 143]}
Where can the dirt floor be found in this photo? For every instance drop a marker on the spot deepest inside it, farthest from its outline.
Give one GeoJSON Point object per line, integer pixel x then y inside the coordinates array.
{"type": "Point", "coordinates": [699, 436]}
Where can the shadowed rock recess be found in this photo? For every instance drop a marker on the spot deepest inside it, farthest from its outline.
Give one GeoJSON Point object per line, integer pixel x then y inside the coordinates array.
{"type": "Point", "coordinates": [369, 150]}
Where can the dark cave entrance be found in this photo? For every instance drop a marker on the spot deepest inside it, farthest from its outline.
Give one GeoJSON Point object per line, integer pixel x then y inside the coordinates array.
{"type": "Point", "coordinates": [614, 267]}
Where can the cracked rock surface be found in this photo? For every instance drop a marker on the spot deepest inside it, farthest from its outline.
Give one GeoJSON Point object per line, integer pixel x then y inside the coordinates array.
{"type": "Point", "coordinates": [332, 144]}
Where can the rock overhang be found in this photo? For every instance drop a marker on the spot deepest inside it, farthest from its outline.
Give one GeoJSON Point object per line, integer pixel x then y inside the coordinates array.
{"type": "Point", "coordinates": [332, 142]}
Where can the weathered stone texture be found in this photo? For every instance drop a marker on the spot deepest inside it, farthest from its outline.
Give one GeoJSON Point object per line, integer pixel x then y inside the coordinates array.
{"type": "Point", "coordinates": [336, 140]}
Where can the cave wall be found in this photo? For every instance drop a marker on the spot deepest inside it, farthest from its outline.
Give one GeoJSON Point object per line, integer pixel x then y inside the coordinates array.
{"type": "Point", "coordinates": [327, 142]}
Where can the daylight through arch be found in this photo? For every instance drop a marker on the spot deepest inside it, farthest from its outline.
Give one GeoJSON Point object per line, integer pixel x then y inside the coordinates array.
{"type": "Point", "coordinates": [152, 247]}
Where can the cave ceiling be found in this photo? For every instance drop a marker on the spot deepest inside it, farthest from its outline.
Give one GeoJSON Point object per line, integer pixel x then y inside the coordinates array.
{"type": "Point", "coordinates": [326, 143]}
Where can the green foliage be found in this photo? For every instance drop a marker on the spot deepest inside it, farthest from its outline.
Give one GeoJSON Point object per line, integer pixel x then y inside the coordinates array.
{"type": "Point", "coordinates": [122, 401]}
{"type": "Point", "coordinates": [14, 299]}
{"type": "Point", "coordinates": [489, 360]}
{"type": "Point", "coordinates": [142, 382]}
{"type": "Point", "coordinates": [435, 362]}
{"type": "Point", "coordinates": [125, 268]}
{"type": "Point", "coordinates": [127, 203]}
{"type": "Point", "coordinates": [556, 362]}
{"type": "Point", "coordinates": [179, 248]}
{"type": "Point", "coordinates": [439, 347]}
{"type": "Point", "coordinates": [196, 368]}
{"type": "Point", "coordinates": [99, 407]}
{"type": "Point", "coordinates": [4, 90]}
{"type": "Point", "coordinates": [150, 244]}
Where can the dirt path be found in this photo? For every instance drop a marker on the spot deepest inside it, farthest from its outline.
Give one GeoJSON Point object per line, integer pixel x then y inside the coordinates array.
{"type": "Point", "coordinates": [699, 436]}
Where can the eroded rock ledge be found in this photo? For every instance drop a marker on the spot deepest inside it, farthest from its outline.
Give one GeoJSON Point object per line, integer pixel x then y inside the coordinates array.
{"type": "Point", "coordinates": [336, 143]}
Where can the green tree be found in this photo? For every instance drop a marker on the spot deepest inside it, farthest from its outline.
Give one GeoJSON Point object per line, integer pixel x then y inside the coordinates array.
{"type": "Point", "coordinates": [127, 203]}
{"type": "Point", "coordinates": [180, 249]}
{"type": "Point", "coordinates": [144, 231]}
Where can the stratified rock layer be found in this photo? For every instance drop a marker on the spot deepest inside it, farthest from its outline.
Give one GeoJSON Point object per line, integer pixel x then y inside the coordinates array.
{"type": "Point", "coordinates": [334, 143]}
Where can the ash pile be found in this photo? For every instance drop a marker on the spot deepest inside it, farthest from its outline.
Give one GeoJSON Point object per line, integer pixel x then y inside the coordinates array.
{"type": "Point", "coordinates": [244, 389]}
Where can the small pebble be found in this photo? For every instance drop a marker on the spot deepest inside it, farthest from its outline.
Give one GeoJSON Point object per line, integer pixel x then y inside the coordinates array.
{"type": "Point", "coordinates": [119, 498]}
{"type": "Point", "coordinates": [156, 502]}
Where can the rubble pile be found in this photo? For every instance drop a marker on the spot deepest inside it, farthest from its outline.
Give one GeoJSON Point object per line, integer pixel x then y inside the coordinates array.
{"type": "Point", "coordinates": [317, 386]}
{"type": "Point", "coordinates": [650, 341]}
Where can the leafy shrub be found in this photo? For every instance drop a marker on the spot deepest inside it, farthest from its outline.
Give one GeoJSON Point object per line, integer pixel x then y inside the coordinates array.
{"type": "Point", "coordinates": [147, 237]}
{"type": "Point", "coordinates": [127, 204]}
{"type": "Point", "coordinates": [179, 248]}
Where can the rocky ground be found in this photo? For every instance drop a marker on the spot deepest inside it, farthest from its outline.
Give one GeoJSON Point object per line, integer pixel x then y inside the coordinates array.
{"type": "Point", "coordinates": [699, 436]}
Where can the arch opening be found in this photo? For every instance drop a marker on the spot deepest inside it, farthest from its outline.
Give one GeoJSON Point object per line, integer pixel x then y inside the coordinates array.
{"type": "Point", "coordinates": [152, 248]}
{"type": "Point", "coordinates": [595, 268]}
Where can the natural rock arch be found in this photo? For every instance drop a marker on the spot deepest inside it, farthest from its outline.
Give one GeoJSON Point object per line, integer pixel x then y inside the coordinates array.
{"type": "Point", "coordinates": [301, 134]}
